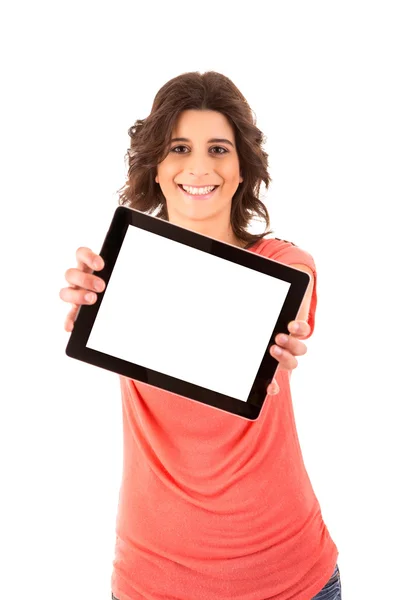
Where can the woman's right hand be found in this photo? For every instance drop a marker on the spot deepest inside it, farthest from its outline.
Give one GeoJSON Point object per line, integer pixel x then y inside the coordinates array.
{"type": "Point", "coordinates": [83, 285]}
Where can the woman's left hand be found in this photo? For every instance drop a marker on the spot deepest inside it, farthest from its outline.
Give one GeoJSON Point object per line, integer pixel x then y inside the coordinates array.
{"type": "Point", "coordinates": [286, 348]}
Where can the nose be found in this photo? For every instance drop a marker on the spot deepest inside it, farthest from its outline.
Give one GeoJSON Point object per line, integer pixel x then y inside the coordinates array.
{"type": "Point", "coordinates": [199, 165]}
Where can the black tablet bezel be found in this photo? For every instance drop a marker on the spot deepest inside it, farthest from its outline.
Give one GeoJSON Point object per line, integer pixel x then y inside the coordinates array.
{"type": "Point", "coordinates": [123, 218]}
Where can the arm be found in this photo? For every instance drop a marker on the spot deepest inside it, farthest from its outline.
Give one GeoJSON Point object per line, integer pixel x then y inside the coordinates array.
{"type": "Point", "coordinates": [305, 305]}
{"type": "Point", "coordinates": [293, 346]}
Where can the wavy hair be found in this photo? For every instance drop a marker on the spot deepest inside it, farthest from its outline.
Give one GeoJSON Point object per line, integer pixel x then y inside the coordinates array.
{"type": "Point", "coordinates": [150, 140]}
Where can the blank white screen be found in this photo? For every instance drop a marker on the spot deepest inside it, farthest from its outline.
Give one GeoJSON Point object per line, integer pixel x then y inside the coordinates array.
{"type": "Point", "coordinates": [187, 313]}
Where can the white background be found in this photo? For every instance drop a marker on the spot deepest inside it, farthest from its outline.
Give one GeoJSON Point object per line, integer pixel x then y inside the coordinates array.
{"type": "Point", "coordinates": [322, 79]}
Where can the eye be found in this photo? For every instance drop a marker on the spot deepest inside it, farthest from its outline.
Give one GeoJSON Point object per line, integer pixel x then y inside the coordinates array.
{"type": "Point", "coordinates": [174, 149]}
{"type": "Point", "coordinates": [224, 150]}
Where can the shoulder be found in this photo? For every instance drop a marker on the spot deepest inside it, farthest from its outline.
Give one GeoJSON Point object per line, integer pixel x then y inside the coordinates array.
{"type": "Point", "coordinates": [285, 251]}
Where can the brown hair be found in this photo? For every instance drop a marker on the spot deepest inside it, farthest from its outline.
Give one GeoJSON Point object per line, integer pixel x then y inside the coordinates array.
{"type": "Point", "coordinates": [150, 140]}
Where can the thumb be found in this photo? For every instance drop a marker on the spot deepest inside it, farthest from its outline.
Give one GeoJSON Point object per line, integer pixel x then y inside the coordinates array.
{"type": "Point", "coordinates": [273, 387]}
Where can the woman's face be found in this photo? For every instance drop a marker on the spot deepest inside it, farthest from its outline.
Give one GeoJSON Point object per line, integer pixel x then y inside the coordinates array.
{"type": "Point", "coordinates": [205, 156]}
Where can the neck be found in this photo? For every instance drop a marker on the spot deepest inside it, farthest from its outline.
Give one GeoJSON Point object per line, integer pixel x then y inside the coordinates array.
{"type": "Point", "coordinates": [222, 233]}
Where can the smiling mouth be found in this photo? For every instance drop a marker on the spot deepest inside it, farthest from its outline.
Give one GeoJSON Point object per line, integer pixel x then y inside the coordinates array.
{"type": "Point", "coordinates": [198, 191]}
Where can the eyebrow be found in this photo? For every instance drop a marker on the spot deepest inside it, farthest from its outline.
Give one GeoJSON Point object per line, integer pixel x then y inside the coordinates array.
{"type": "Point", "coordinates": [212, 140]}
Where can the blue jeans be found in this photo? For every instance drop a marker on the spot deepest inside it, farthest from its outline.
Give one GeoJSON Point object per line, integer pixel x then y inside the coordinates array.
{"type": "Point", "coordinates": [331, 591]}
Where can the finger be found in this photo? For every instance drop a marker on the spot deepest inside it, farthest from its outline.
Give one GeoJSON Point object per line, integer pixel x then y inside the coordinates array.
{"type": "Point", "coordinates": [77, 296]}
{"type": "Point", "coordinates": [286, 360]}
{"type": "Point", "coordinates": [292, 344]}
{"type": "Point", "coordinates": [71, 318]}
{"type": "Point", "coordinates": [299, 328]}
{"type": "Point", "coordinates": [81, 279]}
{"type": "Point", "coordinates": [88, 261]}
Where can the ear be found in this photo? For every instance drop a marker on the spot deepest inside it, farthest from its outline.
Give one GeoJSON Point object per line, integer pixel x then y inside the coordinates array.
{"type": "Point", "coordinates": [156, 179]}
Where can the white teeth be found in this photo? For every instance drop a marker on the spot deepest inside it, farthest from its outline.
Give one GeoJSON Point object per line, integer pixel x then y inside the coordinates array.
{"type": "Point", "coordinates": [199, 191]}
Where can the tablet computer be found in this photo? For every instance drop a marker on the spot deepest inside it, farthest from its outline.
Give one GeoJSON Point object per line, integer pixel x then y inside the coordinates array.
{"type": "Point", "coordinates": [187, 313]}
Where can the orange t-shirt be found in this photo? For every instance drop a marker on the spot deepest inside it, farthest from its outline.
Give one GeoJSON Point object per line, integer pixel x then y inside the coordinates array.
{"type": "Point", "coordinates": [214, 507]}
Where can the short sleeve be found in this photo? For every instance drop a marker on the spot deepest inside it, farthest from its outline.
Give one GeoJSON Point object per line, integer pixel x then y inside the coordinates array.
{"type": "Point", "coordinates": [289, 254]}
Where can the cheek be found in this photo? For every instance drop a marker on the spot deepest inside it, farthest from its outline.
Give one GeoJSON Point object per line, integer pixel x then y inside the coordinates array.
{"type": "Point", "coordinates": [166, 171]}
{"type": "Point", "coordinates": [231, 178]}
{"type": "Point", "coordinates": [231, 172]}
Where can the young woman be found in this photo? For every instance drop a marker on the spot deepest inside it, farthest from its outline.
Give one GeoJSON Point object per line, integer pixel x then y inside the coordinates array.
{"type": "Point", "coordinates": [212, 507]}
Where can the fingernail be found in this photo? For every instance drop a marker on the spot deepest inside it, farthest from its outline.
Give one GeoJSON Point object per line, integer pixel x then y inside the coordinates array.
{"type": "Point", "coordinates": [99, 285]}
{"type": "Point", "coordinates": [295, 327]}
{"type": "Point", "coordinates": [90, 297]}
{"type": "Point", "coordinates": [282, 338]}
{"type": "Point", "coordinates": [277, 350]}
